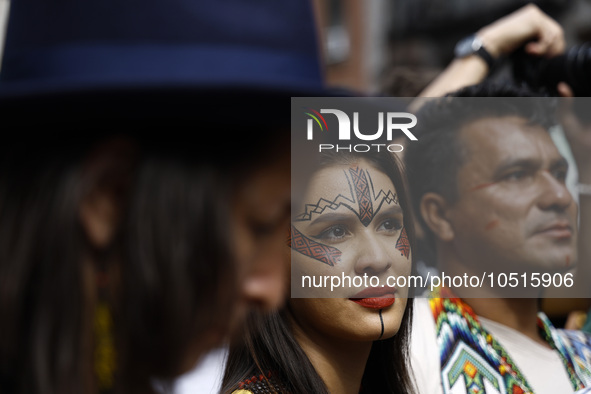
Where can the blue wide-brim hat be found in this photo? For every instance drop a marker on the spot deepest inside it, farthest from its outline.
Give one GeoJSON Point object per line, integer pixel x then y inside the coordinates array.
{"type": "Point", "coordinates": [71, 57]}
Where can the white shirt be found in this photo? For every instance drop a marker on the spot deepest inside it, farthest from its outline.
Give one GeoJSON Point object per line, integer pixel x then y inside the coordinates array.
{"type": "Point", "coordinates": [540, 365]}
{"type": "Point", "coordinates": [206, 377]}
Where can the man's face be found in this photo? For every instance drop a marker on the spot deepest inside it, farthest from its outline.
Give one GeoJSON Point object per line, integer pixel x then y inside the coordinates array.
{"type": "Point", "coordinates": [514, 209]}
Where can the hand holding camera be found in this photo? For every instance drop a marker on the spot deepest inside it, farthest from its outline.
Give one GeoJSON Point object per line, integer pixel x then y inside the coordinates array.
{"type": "Point", "coordinates": [529, 28]}
{"type": "Point", "coordinates": [542, 35]}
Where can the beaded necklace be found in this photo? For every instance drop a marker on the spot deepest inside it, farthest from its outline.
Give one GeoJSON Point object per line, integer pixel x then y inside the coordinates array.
{"type": "Point", "coordinates": [467, 350]}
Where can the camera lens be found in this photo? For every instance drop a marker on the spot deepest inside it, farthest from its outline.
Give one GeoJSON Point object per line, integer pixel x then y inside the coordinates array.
{"type": "Point", "coordinates": [572, 67]}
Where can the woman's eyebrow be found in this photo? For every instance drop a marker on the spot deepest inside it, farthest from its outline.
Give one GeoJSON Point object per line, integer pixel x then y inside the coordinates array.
{"type": "Point", "coordinates": [391, 210]}
{"type": "Point", "coordinates": [334, 217]}
{"type": "Point", "coordinates": [340, 217]}
{"type": "Point", "coordinates": [388, 212]}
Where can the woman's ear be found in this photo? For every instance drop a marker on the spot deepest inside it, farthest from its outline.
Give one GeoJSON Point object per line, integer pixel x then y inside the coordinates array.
{"type": "Point", "coordinates": [99, 214]}
{"type": "Point", "coordinates": [434, 212]}
{"type": "Point", "coordinates": [107, 174]}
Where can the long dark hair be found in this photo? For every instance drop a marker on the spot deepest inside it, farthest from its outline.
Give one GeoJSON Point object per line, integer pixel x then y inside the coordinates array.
{"type": "Point", "coordinates": [179, 269]}
{"type": "Point", "coordinates": [179, 278]}
{"type": "Point", "coordinates": [268, 343]}
{"type": "Point", "coordinates": [43, 300]}
{"type": "Point", "coordinates": [174, 260]}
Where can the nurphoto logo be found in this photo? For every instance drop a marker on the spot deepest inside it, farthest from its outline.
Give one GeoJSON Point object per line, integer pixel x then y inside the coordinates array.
{"type": "Point", "coordinates": [391, 122]}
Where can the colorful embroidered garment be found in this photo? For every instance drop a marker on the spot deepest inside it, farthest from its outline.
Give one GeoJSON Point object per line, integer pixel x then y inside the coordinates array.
{"type": "Point", "coordinates": [467, 350]}
{"type": "Point", "coordinates": [260, 385]}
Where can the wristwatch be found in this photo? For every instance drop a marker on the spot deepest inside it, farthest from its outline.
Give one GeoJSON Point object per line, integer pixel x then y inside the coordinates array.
{"type": "Point", "coordinates": [472, 45]}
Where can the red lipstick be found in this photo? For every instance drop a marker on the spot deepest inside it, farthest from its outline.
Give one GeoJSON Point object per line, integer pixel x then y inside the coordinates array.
{"type": "Point", "coordinates": [375, 297]}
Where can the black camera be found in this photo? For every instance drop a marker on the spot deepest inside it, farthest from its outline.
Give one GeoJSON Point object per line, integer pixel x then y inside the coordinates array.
{"type": "Point", "coordinates": [572, 67]}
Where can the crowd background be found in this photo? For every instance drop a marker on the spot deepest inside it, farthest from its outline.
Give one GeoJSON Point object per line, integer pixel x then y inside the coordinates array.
{"type": "Point", "coordinates": [397, 47]}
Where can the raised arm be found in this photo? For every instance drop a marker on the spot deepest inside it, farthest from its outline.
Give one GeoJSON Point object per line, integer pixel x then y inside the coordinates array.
{"type": "Point", "coordinates": [543, 35]}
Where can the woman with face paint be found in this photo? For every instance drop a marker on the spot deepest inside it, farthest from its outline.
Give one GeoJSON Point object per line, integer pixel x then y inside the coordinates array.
{"type": "Point", "coordinates": [353, 222]}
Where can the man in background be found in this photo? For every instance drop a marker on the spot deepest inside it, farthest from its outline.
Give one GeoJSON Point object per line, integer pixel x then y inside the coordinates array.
{"type": "Point", "coordinates": [488, 185]}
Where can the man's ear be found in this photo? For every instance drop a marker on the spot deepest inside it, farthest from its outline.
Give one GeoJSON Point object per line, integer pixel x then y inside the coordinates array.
{"type": "Point", "coordinates": [107, 174]}
{"type": "Point", "coordinates": [434, 210]}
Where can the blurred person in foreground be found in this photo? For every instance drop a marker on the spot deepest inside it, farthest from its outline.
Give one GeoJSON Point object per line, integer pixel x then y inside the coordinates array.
{"type": "Point", "coordinates": [143, 202]}
{"type": "Point", "coordinates": [489, 186]}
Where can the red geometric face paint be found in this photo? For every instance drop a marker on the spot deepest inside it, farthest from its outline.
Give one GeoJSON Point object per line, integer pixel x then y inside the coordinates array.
{"type": "Point", "coordinates": [403, 245]}
{"type": "Point", "coordinates": [361, 190]}
{"type": "Point", "coordinates": [482, 186]}
{"type": "Point", "coordinates": [492, 224]}
{"type": "Point", "coordinates": [361, 187]}
{"type": "Point", "coordinates": [308, 247]}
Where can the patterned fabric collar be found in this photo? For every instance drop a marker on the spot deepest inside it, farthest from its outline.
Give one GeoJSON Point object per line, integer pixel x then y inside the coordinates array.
{"type": "Point", "coordinates": [261, 384]}
{"type": "Point", "coordinates": [468, 350]}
